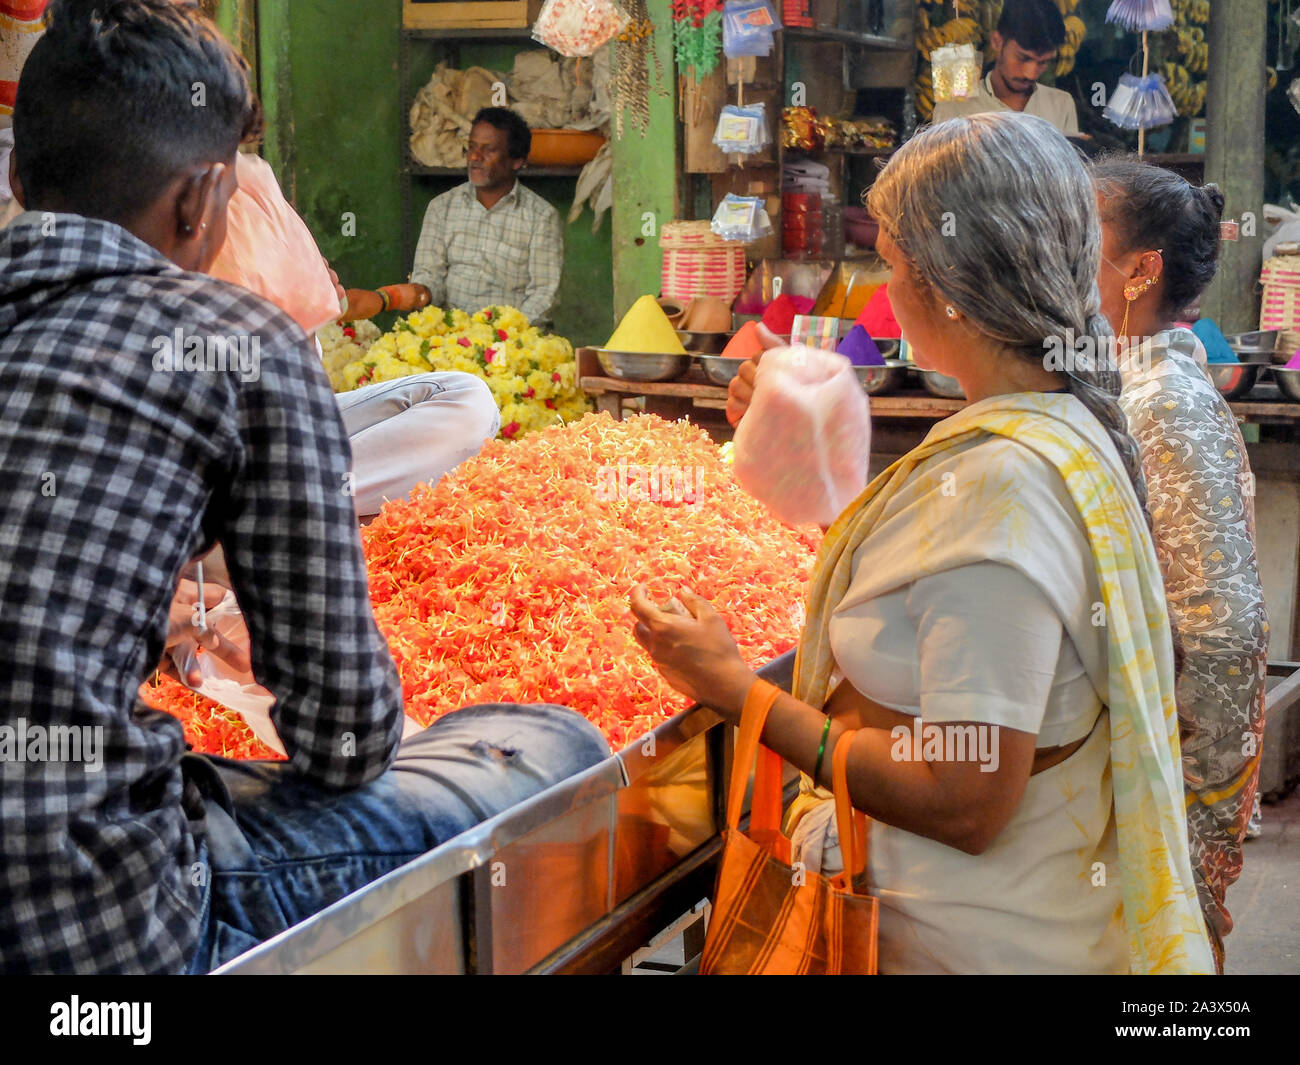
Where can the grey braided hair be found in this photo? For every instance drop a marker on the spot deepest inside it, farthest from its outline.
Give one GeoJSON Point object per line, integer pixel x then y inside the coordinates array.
{"type": "Point", "coordinates": [998, 216]}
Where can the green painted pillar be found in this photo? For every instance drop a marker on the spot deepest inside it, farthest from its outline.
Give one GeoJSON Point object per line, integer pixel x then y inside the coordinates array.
{"type": "Point", "coordinates": [1234, 151]}
{"type": "Point", "coordinates": [646, 176]}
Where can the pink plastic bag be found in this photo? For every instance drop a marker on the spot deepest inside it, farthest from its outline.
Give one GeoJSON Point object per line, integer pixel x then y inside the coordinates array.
{"type": "Point", "coordinates": [803, 446]}
{"type": "Point", "coordinates": [270, 250]}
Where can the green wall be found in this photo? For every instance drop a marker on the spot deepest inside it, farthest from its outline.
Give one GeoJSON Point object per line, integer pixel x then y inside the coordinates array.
{"type": "Point", "coordinates": [329, 80]}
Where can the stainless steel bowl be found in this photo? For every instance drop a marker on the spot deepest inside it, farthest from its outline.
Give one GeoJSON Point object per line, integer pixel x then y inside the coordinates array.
{"type": "Point", "coordinates": [877, 380]}
{"type": "Point", "coordinates": [1288, 381]}
{"type": "Point", "coordinates": [941, 385]}
{"type": "Point", "coordinates": [1259, 346]}
{"type": "Point", "coordinates": [719, 370]}
{"type": "Point", "coordinates": [1234, 380]}
{"type": "Point", "coordinates": [699, 341]}
{"type": "Point", "coordinates": [638, 366]}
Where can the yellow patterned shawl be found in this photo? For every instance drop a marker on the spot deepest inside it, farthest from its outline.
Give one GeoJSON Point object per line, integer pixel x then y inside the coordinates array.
{"type": "Point", "coordinates": [1161, 913]}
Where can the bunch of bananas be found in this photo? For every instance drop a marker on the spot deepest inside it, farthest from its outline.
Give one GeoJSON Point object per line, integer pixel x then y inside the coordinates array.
{"type": "Point", "coordinates": [1191, 11]}
{"type": "Point", "coordinates": [1067, 6]}
{"type": "Point", "coordinates": [1188, 95]}
{"type": "Point", "coordinates": [1075, 31]}
{"type": "Point", "coordinates": [955, 31]}
{"type": "Point", "coordinates": [924, 95]}
{"type": "Point", "coordinates": [1194, 48]}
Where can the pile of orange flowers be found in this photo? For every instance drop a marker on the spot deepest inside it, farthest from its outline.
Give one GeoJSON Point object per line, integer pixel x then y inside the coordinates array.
{"type": "Point", "coordinates": [508, 581]}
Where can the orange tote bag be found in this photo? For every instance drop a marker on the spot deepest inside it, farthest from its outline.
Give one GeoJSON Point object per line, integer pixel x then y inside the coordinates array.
{"type": "Point", "coordinates": [769, 917]}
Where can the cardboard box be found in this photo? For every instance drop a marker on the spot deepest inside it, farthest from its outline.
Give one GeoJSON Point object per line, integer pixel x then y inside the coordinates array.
{"type": "Point", "coordinates": [481, 14]}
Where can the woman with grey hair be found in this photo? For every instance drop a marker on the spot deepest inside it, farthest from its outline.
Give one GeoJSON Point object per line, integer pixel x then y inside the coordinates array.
{"type": "Point", "coordinates": [987, 630]}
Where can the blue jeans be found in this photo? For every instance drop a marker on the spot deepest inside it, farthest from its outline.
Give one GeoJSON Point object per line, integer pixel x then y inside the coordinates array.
{"type": "Point", "coordinates": [279, 848]}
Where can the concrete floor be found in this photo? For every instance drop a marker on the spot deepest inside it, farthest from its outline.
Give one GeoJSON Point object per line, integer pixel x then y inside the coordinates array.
{"type": "Point", "coordinates": [1265, 902]}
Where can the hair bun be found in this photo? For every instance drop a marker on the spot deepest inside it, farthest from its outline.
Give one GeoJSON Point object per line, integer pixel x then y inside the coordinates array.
{"type": "Point", "coordinates": [1215, 198]}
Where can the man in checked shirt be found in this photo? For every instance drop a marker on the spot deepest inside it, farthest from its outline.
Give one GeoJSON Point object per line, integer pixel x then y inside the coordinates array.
{"type": "Point", "coordinates": [118, 469]}
{"type": "Point", "coordinates": [491, 240]}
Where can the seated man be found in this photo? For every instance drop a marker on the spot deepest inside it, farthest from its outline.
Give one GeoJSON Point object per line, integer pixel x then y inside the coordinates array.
{"type": "Point", "coordinates": [118, 851]}
{"type": "Point", "coordinates": [491, 240]}
{"type": "Point", "coordinates": [1026, 40]}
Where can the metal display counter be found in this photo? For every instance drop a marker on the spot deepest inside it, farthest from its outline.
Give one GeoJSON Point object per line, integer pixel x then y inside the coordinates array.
{"type": "Point", "coordinates": [573, 880]}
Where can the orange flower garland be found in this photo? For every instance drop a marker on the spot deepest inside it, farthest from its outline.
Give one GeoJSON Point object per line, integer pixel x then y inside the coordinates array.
{"type": "Point", "coordinates": [508, 581]}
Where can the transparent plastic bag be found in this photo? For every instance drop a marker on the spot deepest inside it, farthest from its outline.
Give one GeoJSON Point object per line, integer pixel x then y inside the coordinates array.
{"type": "Point", "coordinates": [742, 129]}
{"type": "Point", "coordinates": [748, 28]}
{"type": "Point", "coordinates": [741, 218]}
{"type": "Point", "coordinates": [270, 250]}
{"type": "Point", "coordinates": [955, 72]}
{"type": "Point", "coordinates": [578, 27]}
{"type": "Point", "coordinates": [802, 447]}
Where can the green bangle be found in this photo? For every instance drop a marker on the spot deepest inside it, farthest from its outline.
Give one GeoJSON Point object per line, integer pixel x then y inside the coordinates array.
{"type": "Point", "coordinates": [821, 751]}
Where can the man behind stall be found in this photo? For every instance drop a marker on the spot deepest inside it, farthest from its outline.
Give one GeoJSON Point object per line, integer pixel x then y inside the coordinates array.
{"type": "Point", "coordinates": [1026, 41]}
{"type": "Point", "coordinates": [118, 466]}
{"type": "Point", "coordinates": [491, 240]}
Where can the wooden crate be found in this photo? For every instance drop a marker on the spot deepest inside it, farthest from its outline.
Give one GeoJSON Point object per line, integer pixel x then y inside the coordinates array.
{"type": "Point", "coordinates": [481, 14]}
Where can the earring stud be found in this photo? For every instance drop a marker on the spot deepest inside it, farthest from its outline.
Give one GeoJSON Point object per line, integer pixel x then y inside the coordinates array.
{"type": "Point", "coordinates": [950, 311]}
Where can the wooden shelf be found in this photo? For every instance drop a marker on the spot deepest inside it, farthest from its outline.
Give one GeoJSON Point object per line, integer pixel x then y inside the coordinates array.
{"type": "Point", "coordinates": [486, 33]}
{"type": "Point", "coordinates": [861, 40]}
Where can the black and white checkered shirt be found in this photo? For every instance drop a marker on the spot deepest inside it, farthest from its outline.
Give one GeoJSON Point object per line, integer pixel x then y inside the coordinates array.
{"type": "Point", "coordinates": [117, 465]}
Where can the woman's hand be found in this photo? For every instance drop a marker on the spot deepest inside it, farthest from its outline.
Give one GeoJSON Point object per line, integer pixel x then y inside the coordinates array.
{"type": "Point", "coordinates": [693, 651]}
{"type": "Point", "coordinates": [740, 393]}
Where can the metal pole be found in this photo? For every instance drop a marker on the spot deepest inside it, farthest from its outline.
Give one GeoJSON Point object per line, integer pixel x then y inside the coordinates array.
{"type": "Point", "coordinates": [1234, 151]}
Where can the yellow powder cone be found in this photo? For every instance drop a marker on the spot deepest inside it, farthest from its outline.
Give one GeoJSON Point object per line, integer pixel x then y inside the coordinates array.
{"type": "Point", "coordinates": [646, 329]}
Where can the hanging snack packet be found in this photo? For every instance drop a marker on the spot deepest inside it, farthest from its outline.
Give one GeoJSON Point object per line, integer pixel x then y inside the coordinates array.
{"type": "Point", "coordinates": [578, 27]}
{"type": "Point", "coordinates": [803, 445]}
{"type": "Point", "coordinates": [955, 72]}
{"type": "Point", "coordinates": [747, 28]}
{"type": "Point", "coordinates": [741, 218]}
{"type": "Point", "coordinates": [742, 130]}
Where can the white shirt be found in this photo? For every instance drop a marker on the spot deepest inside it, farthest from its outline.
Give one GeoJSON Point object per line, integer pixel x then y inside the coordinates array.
{"type": "Point", "coordinates": [1054, 105]}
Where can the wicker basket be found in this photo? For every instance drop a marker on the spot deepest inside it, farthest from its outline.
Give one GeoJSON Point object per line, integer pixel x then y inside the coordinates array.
{"type": "Point", "coordinates": [1280, 307]}
{"type": "Point", "coordinates": [697, 262]}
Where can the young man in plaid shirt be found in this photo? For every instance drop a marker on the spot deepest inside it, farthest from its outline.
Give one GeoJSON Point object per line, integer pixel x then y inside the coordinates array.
{"type": "Point", "coordinates": [130, 855]}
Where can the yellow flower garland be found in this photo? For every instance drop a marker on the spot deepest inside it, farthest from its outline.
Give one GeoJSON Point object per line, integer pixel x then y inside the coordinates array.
{"type": "Point", "coordinates": [533, 375]}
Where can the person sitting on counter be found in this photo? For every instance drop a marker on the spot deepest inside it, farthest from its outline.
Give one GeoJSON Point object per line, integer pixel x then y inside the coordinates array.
{"type": "Point", "coordinates": [1025, 42]}
{"type": "Point", "coordinates": [491, 240]}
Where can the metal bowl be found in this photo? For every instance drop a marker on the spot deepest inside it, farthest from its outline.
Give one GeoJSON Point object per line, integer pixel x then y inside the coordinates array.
{"type": "Point", "coordinates": [639, 366]}
{"type": "Point", "coordinates": [701, 342]}
{"type": "Point", "coordinates": [1259, 346]}
{"type": "Point", "coordinates": [941, 385]}
{"type": "Point", "coordinates": [1234, 380]}
{"type": "Point", "coordinates": [720, 370]}
{"type": "Point", "coordinates": [876, 380]}
{"type": "Point", "coordinates": [1288, 381]}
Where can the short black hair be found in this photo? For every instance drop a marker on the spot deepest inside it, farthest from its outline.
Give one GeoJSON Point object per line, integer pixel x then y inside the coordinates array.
{"type": "Point", "coordinates": [1035, 25]}
{"type": "Point", "coordinates": [118, 97]}
{"type": "Point", "coordinates": [519, 139]}
{"type": "Point", "coordinates": [1150, 207]}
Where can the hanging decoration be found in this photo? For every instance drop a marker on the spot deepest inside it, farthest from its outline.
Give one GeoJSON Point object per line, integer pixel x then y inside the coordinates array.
{"type": "Point", "coordinates": [1141, 14]}
{"type": "Point", "coordinates": [697, 37]}
{"type": "Point", "coordinates": [630, 72]}
{"type": "Point", "coordinates": [1141, 103]}
{"type": "Point", "coordinates": [577, 28]}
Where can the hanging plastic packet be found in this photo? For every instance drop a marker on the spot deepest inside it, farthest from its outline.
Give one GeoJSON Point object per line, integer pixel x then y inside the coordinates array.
{"type": "Point", "coordinates": [747, 28]}
{"type": "Point", "coordinates": [742, 130]}
{"type": "Point", "coordinates": [578, 27]}
{"type": "Point", "coordinates": [741, 218]}
{"type": "Point", "coordinates": [1140, 103]}
{"type": "Point", "coordinates": [955, 72]}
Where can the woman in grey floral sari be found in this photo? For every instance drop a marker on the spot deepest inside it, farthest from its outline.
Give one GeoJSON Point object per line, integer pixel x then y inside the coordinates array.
{"type": "Point", "coordinates": [1160, 250]}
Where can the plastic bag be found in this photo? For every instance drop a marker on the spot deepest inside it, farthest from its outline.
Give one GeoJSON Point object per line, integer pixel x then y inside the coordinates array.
{"type": "Point", "coordinates": [802, 447]}
{"type": "Point", "coordinates": [1140, 103]}
{"type": "Point", "coordinates": [578, 27]}
{"type": "Point", "coordinates": [747, 28]}
{"type": "Point", "coordinates": [228, 686]}
{"type": "Point", "coordinates": [270, 250]}
{"type": "Point", "coordinates": [955, 72]}
{"type": "Point", "coordinates": [742, 129]}
{"type": "Point", "coordinates": [741, 218]}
